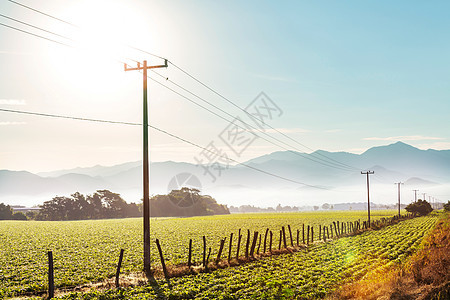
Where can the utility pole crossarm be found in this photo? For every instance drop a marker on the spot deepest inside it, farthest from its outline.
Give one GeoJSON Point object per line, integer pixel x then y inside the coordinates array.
{"type": "Point", "coordinates": [126, 68]}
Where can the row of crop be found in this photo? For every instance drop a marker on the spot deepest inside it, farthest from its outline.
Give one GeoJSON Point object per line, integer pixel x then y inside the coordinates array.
{"type": "Point", "coordinates": [87, 251]}
{"type": "Point", "coordinates": [258, 245]}
{"type": "Point", "coordinates": [307, 274]}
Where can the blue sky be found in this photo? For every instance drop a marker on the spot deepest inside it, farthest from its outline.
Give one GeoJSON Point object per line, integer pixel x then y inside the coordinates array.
{"type": "Point", "coordinates": [346, 75]}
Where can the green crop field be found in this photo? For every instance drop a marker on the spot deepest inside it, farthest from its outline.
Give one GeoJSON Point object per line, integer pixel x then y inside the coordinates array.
{"type": "Point", "coordinates": [87, 251]}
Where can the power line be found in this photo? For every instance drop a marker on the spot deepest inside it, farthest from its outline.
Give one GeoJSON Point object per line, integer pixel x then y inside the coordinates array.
{"type": "Point", "coordinates": [36, 35]}
{"type": "Point", "coordinates": [230, 121]}
{"type": "Point", "coordinates": [30, 25]}
{"type": "Point", "coordinates": [192, 101]}
{"type": "Point", "coordinates": [238, 107]}
{"type": "Point", "coordinates": [164, 132]}
{"type": "Point", "coordinates": [42, 13]}
{"type": "Point", "coordinates": [203, 84]}
{"type": "Point", "coordinates": [334, 163]}
{"type": "Point", "coordinates": [76, 26]}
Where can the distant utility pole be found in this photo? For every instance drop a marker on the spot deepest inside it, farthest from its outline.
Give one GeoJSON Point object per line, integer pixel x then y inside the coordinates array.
{"type": "Point", "coordinates": [424, 198]}
{"type": "Point", "coordinates": [431, 203]}
{"type": "Point", "coordinates": [368, 195]}
{"type": "Point", "coordinates": [146, 208]}
{"type": "Point", "coordinates": [415, 195]}
{"type": "Point", "coordinates": [398, 184]}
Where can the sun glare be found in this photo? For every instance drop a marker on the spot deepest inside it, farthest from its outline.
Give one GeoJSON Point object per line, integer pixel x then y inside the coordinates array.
{"type": "Point", "coordinates": [104, 29]}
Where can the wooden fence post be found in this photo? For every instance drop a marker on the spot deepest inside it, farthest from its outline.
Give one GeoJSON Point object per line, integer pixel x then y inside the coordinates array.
{"type": "Point", "coordinates": [307, 236]}
{"type": "Point", "coordinates": [259, 244]}
{"type": "Point", "coordinates": [247, 245]}
{"type": "Point", "coordinates": [190, 254]}
{"type": "Point", "coordinates": [279, 242]}
{"type": "Point", "coordinates": [51, 283]}
{"type": "Point", "coordinates": [284, 237]}
{"type": "Point", "coordinates": [255, 239]}
{"type": "Point", "coordinates": [204, 251]}
{"type": "Point", "coordinates": [229, 248]}
{"type": "Point", "coordinates": [298, 237]}
{"type": "Point", "coordinates": [265, 239]}
{"type": "Point", "coordinates": [290, 234]}
{"type": "Point", "coordinates": [207, 259]}
{"type": "Point", "coordinates": [270, 242]}
{"type": "Point", "coordinates": [312, 234]}
{"type": "Point", "coordinates": [219, 254]}
{"type": "Point", "coordinates": [238, 245]}
{"type": "Point", "coordinates": [166, 275]}
{"type": "Point", "coordinates": [303, 233]}
{"type": "Point", "coordinates": [335, 229]}
{"type": "Point", "coordinates": [118, 267]}
{"type": "Point", "coordinates": [320, 232]}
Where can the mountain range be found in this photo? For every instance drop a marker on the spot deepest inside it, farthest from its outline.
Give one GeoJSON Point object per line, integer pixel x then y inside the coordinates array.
{"type": "Point", "coordinates": [328, 176]}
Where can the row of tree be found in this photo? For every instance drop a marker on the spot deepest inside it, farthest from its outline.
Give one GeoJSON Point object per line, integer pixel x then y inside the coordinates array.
{"type": "Point", "coordinates": [105, 204]}
{"type": "Point", "coordinates": [7, 213]}
{"type": "Point", "coordinates": [185, 202]}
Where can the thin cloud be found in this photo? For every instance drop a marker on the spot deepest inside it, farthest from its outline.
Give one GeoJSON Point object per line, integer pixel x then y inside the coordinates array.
{"type": "Point", "coordinates": [333, 130]}
{"type": "Point", "coordinates": [404, 138]}
{"type": "Point", "coordinates": [435, 146]}
{"type": "Point", "coordinates": [12, 102]}
{"type": "Point", "coordinates": [12, 123]}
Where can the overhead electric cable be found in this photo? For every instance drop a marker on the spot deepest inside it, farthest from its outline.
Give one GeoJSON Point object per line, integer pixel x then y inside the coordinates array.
{"type": "Point", "coordinates": [41, 12]}
{"type": "Point", "coordinates": [238, 107]}
{"type": "Point", "coordinates": [333, 161]}
{"type": "Point", "coordinates": [36, 35]}
{"type": "Point", "coordinates": [30, 25]}
{"type": "Point", "coordinates": [164, 132]}
{"type": "Point", "coordinates": [325, 163]}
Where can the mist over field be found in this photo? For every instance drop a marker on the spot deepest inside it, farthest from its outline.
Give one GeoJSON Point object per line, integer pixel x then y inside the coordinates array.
{"type": "Point", "coordinates": [425, 170]}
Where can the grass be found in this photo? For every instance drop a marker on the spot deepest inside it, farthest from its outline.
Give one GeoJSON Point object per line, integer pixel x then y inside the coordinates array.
{"type": "Point", "coordinates": [425, 275]}
{"type": "Point", "coordinates": [87, 251]}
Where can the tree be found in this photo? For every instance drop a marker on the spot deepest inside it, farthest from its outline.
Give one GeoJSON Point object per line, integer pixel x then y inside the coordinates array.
{"type": "Point", "coordinates": [315, 207]}
{"type": "Point", "coordinates": [325, 206]}
{"type": "Point", "coordinates": [101, 205]}
{"type": "Point", "coordinates": [421, 207]}
{"type": "Point", "coordinates": [19, 216]}
{"type": "Point", "coordinates": [5, 212]}
{"type": "Point", "coordinates": [447, 206]}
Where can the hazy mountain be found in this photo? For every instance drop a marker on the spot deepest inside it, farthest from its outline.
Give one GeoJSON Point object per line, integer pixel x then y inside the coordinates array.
{"type": "Point", "coordinates": [94, 171]}
{"type": "Point", "coordinates": [334, 171]}
{"type": "Point", "coordinates": [414, 181]}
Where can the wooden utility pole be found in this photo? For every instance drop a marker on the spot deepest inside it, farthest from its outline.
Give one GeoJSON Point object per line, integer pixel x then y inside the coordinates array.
{"type": "Point", "coordinates": [415, 195]}
{"type": "Point", "coordinates": [398, 184]}
{"type": "Point", "coordinates": [146, 192]}
{"type": "Point", "coordinates": [368, 195]}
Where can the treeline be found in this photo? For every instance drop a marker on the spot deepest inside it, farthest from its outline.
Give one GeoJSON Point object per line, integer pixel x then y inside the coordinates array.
{"type": "Point", "coordinates": [105, 204]}
{"type": "Point", "coordinates": [185, 203]}
{"type": "Point", "coordinates": [7, 213]}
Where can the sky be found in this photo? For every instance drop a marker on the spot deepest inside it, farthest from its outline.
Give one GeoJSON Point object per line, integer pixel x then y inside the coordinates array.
{"type": "Point", "coordinates": [338, 76]}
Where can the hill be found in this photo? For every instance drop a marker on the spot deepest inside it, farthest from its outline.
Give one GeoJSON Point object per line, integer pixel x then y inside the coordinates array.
{"type": "Point", "coordinates": [332, 177]}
